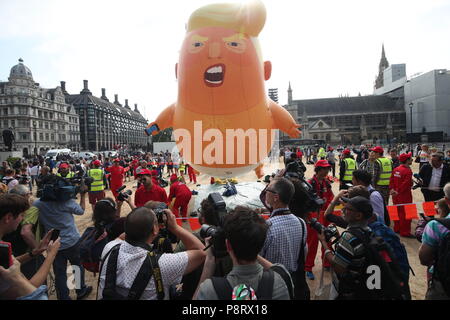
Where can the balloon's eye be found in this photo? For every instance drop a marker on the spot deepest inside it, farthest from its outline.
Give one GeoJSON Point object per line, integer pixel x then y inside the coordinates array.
{"type": "Point", "coordinates": [234, 44]}
{"type": "Point", "coordinates": [198, 44]}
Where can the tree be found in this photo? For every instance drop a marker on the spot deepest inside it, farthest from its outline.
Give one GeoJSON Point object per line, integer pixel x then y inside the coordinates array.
{"type": "Point", "coordinates": [164, 136]}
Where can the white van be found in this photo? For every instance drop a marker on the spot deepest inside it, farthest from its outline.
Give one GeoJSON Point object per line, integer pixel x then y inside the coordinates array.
{"type": "Point", "coordinates": [57, 152]}
{"type": "Point", "coordinates": [87, 155]}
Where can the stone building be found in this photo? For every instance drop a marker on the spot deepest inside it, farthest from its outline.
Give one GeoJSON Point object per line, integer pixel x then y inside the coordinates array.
{"type": "Point", "coordinates": [40, 118]}
{"type": "Point", "coordinates": [378, 118]}
{"type": "Point", "coordinates": [105, 124]}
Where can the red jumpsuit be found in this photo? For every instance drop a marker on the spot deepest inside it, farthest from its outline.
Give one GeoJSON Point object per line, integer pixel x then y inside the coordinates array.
{"type": "Point", "coordinates": [182, 195]}
{"type": "Point", "coordinates": [401, 181]}
{"type": "Point", "coordinates": [324, 191]}
{"type": "Point", "coordinates": [117, 174]}
{"type": "Point", "coordinates": [192, 175]}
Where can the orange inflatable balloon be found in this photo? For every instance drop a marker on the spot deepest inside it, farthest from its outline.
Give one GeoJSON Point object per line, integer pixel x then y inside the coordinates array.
{"type": "Point", "coordinates": [223, 121]}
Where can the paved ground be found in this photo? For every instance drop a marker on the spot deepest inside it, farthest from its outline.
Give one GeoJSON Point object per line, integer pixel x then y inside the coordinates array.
{"type": "Point", "coordinates": [417, 283]}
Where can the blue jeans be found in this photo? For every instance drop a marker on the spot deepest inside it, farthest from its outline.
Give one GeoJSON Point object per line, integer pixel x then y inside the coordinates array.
{"type": "Point", "coordinates": [72, 255]}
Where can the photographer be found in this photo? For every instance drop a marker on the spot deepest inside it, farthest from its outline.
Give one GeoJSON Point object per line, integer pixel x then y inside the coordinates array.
{"type": "Point", "coordinates": [148, 191]}
{"type": "Point", "coordinates": [293, 164]}
{"type": "Point", "coordinates": [355, 252]}
{"type": "Point", "coordinates": [127, 257]}
{"type": "Point", "coordinates": [286, 238]}
{"type": "Point", "coordinates": [245, 232]}
{"type": "Point", "coordinates": [58, 215]}
{"type": "Point", "coordinates": [12, 208]}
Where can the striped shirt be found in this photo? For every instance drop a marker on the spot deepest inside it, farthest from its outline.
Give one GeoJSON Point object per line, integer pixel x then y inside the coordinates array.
{"type": "Point", "coordinates": [350, 252]}
{"type": "Point", "coordinates": [434, 232]}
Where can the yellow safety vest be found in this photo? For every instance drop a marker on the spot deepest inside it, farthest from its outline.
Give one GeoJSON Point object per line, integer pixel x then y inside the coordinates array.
{"type": "Point", "coordinates": [69, 175]}
{"type": "Point", "coordinates": [350, 166]}
{"type": "Point", "coordinates": [322, 153]}
{"type": "Point", "coordinates": [386, 171]}
{"type": "Point", "coordinates": [97, 184]}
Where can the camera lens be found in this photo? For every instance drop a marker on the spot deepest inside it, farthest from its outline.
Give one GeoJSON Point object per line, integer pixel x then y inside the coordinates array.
{"type": "Point", "coordinates": [207, 231]}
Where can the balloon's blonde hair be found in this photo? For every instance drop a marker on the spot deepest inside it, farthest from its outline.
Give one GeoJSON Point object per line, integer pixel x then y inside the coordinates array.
{"type": "Point", "coordinates": [245, 18]}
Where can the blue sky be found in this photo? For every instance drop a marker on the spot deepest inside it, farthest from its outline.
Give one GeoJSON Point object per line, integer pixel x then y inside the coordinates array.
{"type": "Point", "coordinates": [325, 48]}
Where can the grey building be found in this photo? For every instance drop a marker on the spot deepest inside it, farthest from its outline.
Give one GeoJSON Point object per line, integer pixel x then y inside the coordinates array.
{"type": "Point", "coordinates": [40, 118]}
{"type": "Point", "coordinates": [105, 124]}
{"type": "Point", "coordinates": [378, 118]}
{"type": "Point", "coordinates": [427, 106]}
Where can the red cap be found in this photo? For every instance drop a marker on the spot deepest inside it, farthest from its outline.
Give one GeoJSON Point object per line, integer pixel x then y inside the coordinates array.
{"type": "Point", "coordinates": [64, 166]}
{"type": "Point", "coordinates": [173, 178]}
{"type": "Point", "coordinates": [144, 172]}
{"type": "Point", "coordinates": [346, 151]}
{"type": "Point", "coordinates": [322, 164]}
{"type": "Point", "coordinates": [97, 163]}
{"type": "Point", "coordinates": [405, 156]}
{"type": "Point", "coordinates": [116, 160]}
{"type": "Point", "coordinates": [378, 149]}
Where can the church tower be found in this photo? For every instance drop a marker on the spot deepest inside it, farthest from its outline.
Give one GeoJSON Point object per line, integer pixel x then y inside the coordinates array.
{"type": "Point", "coordinates": [384, 64]}
{"type": "Point", "coordinates": [289, 94]}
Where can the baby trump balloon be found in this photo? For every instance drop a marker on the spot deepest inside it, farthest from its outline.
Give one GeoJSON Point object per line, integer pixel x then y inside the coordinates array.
{"type": "Point", "coordinates": [223, 121]}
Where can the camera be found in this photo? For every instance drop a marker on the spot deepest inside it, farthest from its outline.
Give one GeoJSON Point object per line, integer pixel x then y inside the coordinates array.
{"type": "Point", "coordinates": [79, 181]}
{"type": "Point", "coordinates": [418, 181]}
{"type": "Point", "coordinates": [305, 194]}
{"type": "Point", "coordinates": [123, 195]}
{"type": "Point", "coordinates": [217, 235]}
{"type": "Point", "coordinates": [160, 213]}
{"type": "Point", "coordinates": [23, 179]}
{"type": "Point", "coordinates": [330, 231]}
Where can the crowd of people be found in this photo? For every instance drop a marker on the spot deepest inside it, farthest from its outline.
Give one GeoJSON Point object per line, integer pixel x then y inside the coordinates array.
{"type": "Point", "coordinates": [146, 254]}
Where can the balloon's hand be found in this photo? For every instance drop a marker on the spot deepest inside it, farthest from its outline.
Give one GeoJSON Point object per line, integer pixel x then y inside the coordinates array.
{"type": "Point", "coordinates": [294, 131]}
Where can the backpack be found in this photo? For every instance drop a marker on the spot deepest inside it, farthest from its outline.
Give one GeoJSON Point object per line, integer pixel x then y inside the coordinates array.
{"type": "Point", "coordinates": [397, 247]}
{"type": "Point", "coordinates": [442, 263]}
{"type": "Point", "coordinates": [393, 283]}
{"type": "Point", "coordinates": [387, 218]}
{"type": "Point", "coordinates": [91, 249]}
{"type": "Point", "coordinates": [149, 268]}
{"type": "Point", "coordinates": [224, 290]}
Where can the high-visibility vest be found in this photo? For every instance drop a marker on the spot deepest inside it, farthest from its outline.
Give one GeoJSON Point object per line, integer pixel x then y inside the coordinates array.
{"type": "Point", "coordinates": [182, 167]}
{"type": "Point", "coordinates": [97, 184]}
{"type": "Point", "coordinates": [322, 153]}
{"type": "Point", "coordinates": [350, 166]}
{"type": "Point", "coordinates": [386, 171]}
{"type": "Point", "coordinates": [69, 175]}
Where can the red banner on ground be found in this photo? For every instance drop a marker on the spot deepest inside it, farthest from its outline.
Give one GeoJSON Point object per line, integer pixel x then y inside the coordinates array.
{"type": "Point", "coordinates": [428, 208]}
{"type": "Point", "coordinates": [393, 213]}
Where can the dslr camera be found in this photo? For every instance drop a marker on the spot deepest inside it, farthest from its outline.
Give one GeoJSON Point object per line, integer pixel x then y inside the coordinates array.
{"type": "Point", "coordinates": [308, 196]}
{"type": "Point", "coordinates": [79, 181]}
{"type": "Point", "coordinates": [216, 233]}
{"type": "Point", "coordinates": [330, 231]}
{"type": "Point", "coordinates": [123, 195]}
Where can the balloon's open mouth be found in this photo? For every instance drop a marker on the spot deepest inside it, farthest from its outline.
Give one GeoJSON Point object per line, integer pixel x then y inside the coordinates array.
{"type": "Point", "coordinates": [214, 75]}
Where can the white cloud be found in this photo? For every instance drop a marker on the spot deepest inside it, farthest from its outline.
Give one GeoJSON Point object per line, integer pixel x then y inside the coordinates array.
{"type": "Point", "coordinates": [325, 48]}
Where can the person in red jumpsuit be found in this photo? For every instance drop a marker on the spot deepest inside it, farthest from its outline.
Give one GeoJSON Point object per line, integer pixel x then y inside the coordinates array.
{"type": "Point", "coordinates": [148, 190]}
{"type": "Point", "coordinates": [192, 175]}
{"type": "Point", "coordinates": [117, 174]}
{"type": "Point", "coordinates": [182, 195]}
{"type": "Point", "coordinates": [400, 188]}
{"type": "Point", "coordinates": [322, 185]}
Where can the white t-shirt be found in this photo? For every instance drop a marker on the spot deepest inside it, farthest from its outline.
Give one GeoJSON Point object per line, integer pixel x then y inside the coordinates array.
{"type": "Point", "coordinates": [34, 171]}
{"type": "Point", "coordinates": [129, 262]}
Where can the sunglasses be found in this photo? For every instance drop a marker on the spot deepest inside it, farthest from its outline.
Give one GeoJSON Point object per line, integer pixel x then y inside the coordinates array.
{"type": "Point", "coordinates": [271, 191]}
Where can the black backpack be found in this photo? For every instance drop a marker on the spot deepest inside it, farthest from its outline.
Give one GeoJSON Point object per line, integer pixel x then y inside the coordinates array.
{"type": "Point", "coordinates": [442, 262]}
{"type": "Point", "coordinates": [149, 268]}
{"type": "Point", "coordinates": [224, 290]}
{"type": "Point", "coordinates": [394, 285]}
{"type": "Point", "coordinates": [387, 218]}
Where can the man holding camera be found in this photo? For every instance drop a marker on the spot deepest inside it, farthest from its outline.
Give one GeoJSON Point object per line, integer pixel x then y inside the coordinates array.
{"type": "Point", "coordinates": [127, 258]}
{"type": "Point", "coordinates": [286, 238]}
{"type": "Point", "coordinates": [58, 215]}
{"type": "Point", "coordinates": [97, 187]}
{"type": "Point", "coordinates": [148, 191]}
{"type": "Point", "coordinates": [245, 233]}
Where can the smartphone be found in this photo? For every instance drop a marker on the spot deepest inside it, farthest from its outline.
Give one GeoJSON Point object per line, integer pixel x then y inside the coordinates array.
{"type": "Point", "coordinates": [6, 260]}
{"type": "Point", "coordinates": [55, 235]}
